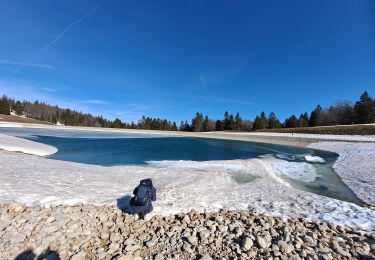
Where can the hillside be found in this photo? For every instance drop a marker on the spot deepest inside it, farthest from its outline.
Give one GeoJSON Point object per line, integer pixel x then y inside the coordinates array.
{"type": "Point", "coordinates": [19, 119]}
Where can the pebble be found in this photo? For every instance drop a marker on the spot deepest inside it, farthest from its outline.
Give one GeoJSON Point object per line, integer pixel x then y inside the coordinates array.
{"type": "Point", "coordinates": [247, 243]}
{"type": "Point", "coordinates": [86, 232]}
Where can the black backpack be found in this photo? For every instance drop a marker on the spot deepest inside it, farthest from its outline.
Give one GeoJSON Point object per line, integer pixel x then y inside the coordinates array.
{"type": "Point", "coordinates": [142, 197]}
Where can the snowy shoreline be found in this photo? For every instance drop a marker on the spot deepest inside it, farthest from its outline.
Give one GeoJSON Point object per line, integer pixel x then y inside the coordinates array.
{"type": "Point", "coordinates": [33, 180]}
{"type": "Point", "coordinates": [14, 144]}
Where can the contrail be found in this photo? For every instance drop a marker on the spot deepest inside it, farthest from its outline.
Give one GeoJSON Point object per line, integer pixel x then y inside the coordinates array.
{"type": "Point", "coordinates": [58, 37]}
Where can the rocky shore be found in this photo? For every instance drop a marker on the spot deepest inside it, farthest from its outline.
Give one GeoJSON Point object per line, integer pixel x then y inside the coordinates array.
{"type": "Point", "coordinates": [92, 232]}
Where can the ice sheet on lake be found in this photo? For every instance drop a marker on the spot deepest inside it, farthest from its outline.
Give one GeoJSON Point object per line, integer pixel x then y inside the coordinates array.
{"type": "Point", "coordinates": [311, 158]}
{"type": "Point", "coordinates": [300, 171]}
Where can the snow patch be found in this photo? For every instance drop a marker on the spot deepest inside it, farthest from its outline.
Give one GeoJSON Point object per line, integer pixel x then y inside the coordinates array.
{"type": "Point", "coordinates": [8, 124]}
{"type": "Point", "coordinates": [344, 214]}
{"type": "Point", "coordinates": [15, 144]}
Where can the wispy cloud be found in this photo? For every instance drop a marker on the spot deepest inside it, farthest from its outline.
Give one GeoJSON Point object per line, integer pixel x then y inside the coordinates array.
{"type": "Point", "coordinates": [95, 101]}
{"type": "Point", "coordinates": [58, 37]}
{"type": "Point", "coordinates": [25, 64]}
{"type": "Point", "coordinates": [49, 90]}
{"type": "Point", "coordinates": [66, 29]}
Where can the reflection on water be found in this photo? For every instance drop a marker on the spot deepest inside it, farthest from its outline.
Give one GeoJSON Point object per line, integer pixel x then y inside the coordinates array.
{"type": "Point", "coordinates": [305, 169]}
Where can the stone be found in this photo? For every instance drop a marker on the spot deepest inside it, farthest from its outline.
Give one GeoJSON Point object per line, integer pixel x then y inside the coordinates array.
{"type": "Point", "coordinates": [104, 235]}
{"type": "Point", "coordinates": [115, 237]}
{"type": "Point", "coordinates": [205, 257]}
{"type": "Point", "coordinates": [247, 243]}
{"type": "Point", "coordinates": [16, 208]}
{"type": "Point", "coordinates": [285, 247]}
{"type": "Point", "coordinates": [17, 238]}
{"type": "Point", "coordinates": [151, 243]}
{"type": "Point", "coordinates": [341, 251]}
{"type": "Point", "coordinates": [159, 257]}
{"type": "Point", "coordinates": [263, 241]}
{"type": "Point", "coordinates": [50, 220]}
{"type": "Point", "coordinates": [129, 257]}
{"type": "Point", "coordinates": [309, 240]}
{"type": "Point", "coordinates": [79, 256]}
{"type": "Point", "coordinates": [131, 248]}
{"type": "Point", "coordinates": [192, 240]}
{"type": "Point", "coordinates": [187, 248]}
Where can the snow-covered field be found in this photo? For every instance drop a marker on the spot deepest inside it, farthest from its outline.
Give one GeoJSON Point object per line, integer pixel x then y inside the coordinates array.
{"type": "Point", "coordinates": [185, 185]}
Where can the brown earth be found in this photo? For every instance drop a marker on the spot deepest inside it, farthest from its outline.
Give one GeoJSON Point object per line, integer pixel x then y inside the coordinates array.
{"type": "Point", "coordinates": [334, 130]}
{"type": "Point", "coordinates": [18, 119]}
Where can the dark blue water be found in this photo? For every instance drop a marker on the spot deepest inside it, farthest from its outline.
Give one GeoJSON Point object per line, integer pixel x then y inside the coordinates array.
{"type": "Point", "coordinates": [120, 151]}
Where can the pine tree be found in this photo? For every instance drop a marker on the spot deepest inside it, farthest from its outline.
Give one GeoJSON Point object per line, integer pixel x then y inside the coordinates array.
{"type": "Point", "coordinates": [205, 124]}
{"type": "Point", "coordinates": [365, 109]}
{"type": "Point", "coordinates": [218, 125]}
{"type": "Point", "coordinates": [197, 122]}
{"type": "Point", "coordinates": [117, 123]}
{"type": "Point", "coordinates": [18, 108]}
{"type": "Point", "coordinates": [257, 124]}
{"type": "Point", "coordinates": [263, 120]}
{"type": "Point", "coordinates": [238, 122]}
{"type": "Point", "coordinates": [316, 117]}
{"type": "Point", "coordinates": [174, 126]}
{"type": "Point", "coordinates": [291, 122]}
{"type": "Point", "coordinates": [227, 121]}
{"type": "Point", "coordinates": [303, 120]}
{"type": "Point", "coordinates": [273, 121]}
{"type": "Point", "coordinates": [260, 122]}
{"type": "Point", "coordinates": [232, 122]}
{"type": "Point", "coordinates": [4, 106]}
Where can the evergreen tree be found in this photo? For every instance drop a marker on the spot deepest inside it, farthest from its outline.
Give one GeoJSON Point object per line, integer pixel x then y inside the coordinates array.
{"type": "Point", "coordinates": [117, 123]}
{"type": "Point", "coordinates": [232, 122]}
{"type": "Point", "coordinates": [260, 122]}
{"type": "Point", "coordinates": [273, 121]}
{"type": "Point", "coordinates": [365, 110]}
{"type": "Point", "coordinates": [303, 120]}
{"type": "Point", "coordinates": [4, 106]}
{"type": "Point", "coordinates": [18, 108]}
{"type": "Point", "coordinates": [218, 125]}
{"type": "Point", "coordinates": [197, 122]}
{"type": "Point", "coordinates": [291, 122]}
{"type": "Point", "coordinates": [257, 124]}
{"type": "Point", "coordinates": [237, 122]}
{"type": "Point", "coordinates": [206, 123]}
{"type": "Point", "coordinates": [316, 117]}
{"type": "Point", "coordinates": [227, 124]}
{"type": "Point", "coordinates": [174, 126]}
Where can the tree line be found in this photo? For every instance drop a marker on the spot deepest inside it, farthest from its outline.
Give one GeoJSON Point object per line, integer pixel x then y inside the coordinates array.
{"type": "Point", "coordinates": [342, 113]}
{"type": "Point", "coordinates": [54, 114]}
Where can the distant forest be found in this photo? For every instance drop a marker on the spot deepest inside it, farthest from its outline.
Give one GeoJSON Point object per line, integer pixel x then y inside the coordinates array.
{"type": "Point", "coordinates": [342, 113]}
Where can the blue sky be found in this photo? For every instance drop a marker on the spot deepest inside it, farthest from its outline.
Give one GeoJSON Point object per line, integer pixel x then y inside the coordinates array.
{"type": "Point", "coordinates": [171, 59]}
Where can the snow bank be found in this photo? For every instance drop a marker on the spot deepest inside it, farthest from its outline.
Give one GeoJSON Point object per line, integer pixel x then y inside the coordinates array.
{"type": "Point", "coordinates": [15, 144]}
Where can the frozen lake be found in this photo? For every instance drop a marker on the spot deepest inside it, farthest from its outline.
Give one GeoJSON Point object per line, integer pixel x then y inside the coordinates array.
{"type": "Point", "coordinates": [303, 168]}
